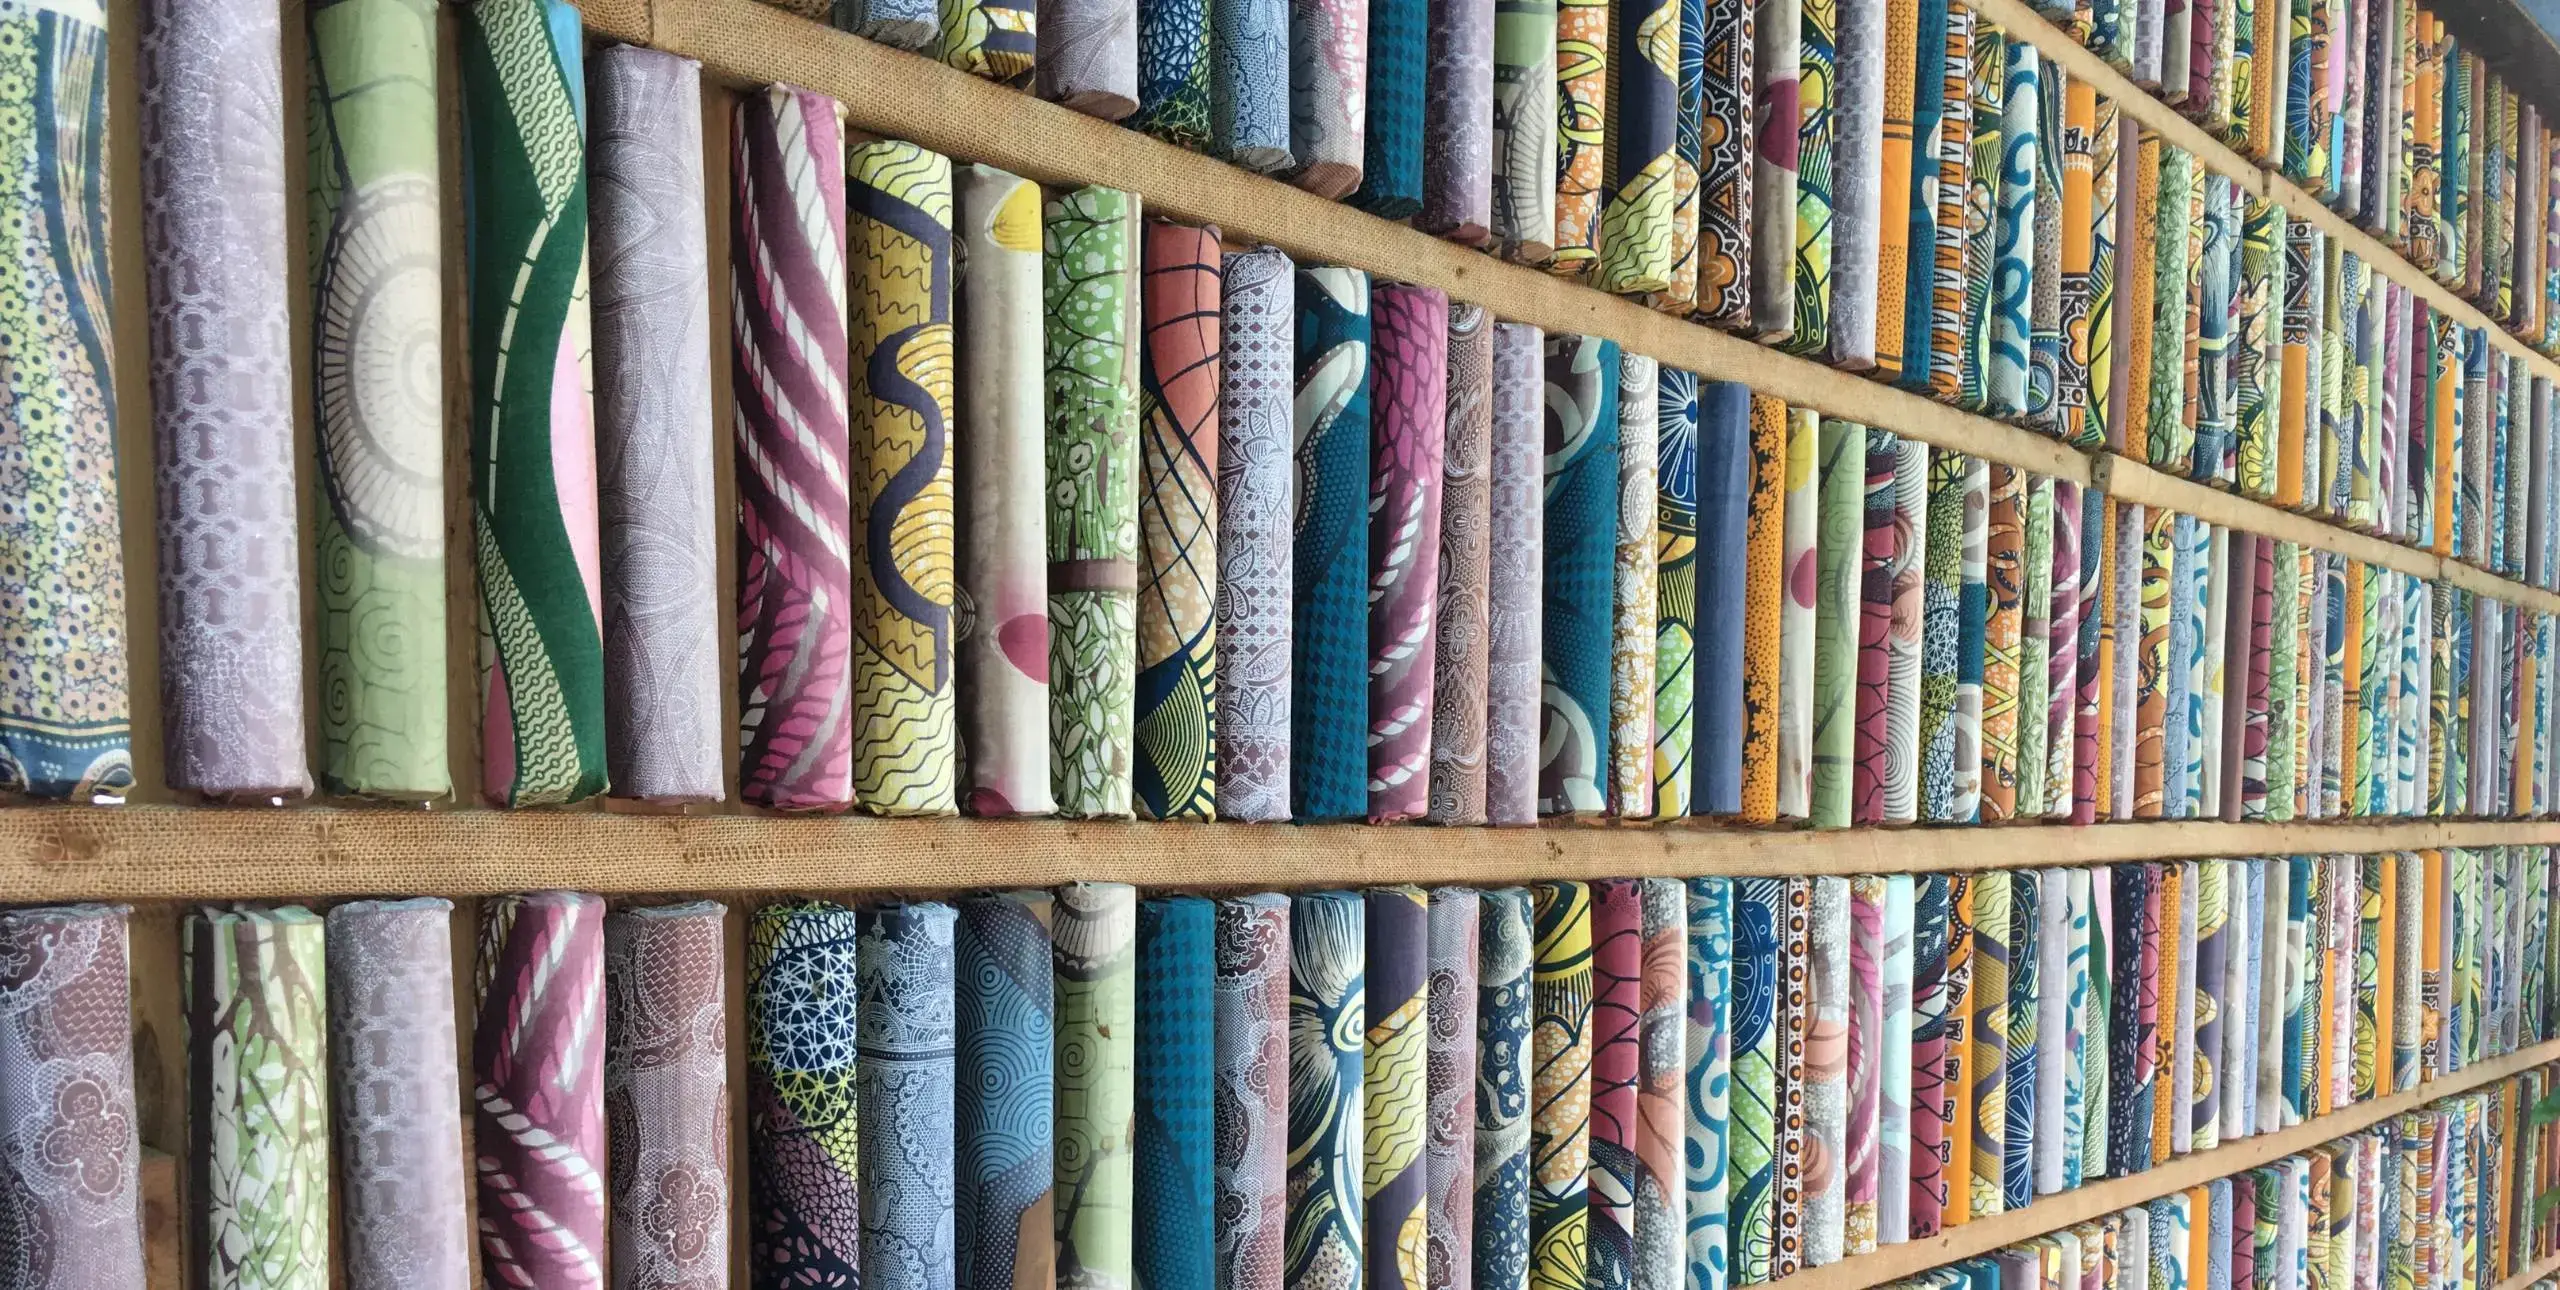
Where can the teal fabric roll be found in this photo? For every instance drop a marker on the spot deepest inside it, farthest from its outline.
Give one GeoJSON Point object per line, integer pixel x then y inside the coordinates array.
{"type": "Point", "coordinates": [1329, 694]}
{"type": "Point", "coordinates": [1399, 52]}
{"type": "Point", "coordinates": [1327, 1024]}
{"type": "Point", "coordinates": [1581, 541]}
{"type": "Point", "coordinates": [1176, 1232]}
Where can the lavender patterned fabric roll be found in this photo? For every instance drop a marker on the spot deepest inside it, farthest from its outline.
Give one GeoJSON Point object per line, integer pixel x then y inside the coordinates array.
{"type": "Point", "coordinates": [393, 1086]}
{"type": "Point", "coordinates": [1249, 83]}
{"type": "Point", "coordinates": [1465, 537]}
{"type": "Point", "coordinates": [1088, 56]}
{"type": "Point", "coordinates": [1449, 1126]}
{"type": "Point", "coordinates": [1408, 405]}
{"type": "Point", "coordinates": [1515, 579]}
{"type": "Point", "coordinates": [1250, 1075]}
{"type": "Point", "coordinates": [666, 1094]}
{"type": "Point", "coordinates": [66, 1041]}
{"type": "Point", "coordinates": [1328, 94]}
{"type": "Point", "coordinates": [538, 1125]}
{"type": "Point", "coordinates": [903, 1093]}
{"type": "Point", "coordinates": [1825, 1104]}
{"type": "Point", "coordinates": [654, 432]}
{"type": "Point", "coordinates": [1457, 123]}
{"type": "Point", "coordinates": [1255, 568]}
{"type": "Point", "coordinates": [1857, 179]}
{"type": "Point", "coordinates": [221, 399]}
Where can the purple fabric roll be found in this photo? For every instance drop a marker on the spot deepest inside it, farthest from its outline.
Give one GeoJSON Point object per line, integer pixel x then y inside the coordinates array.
{"type": "Point", "coordinates": [1457, 124]}
{"type": "Point", "coordinates": [666, 1095]}
{"type": "Point", "coordinates": [1255, 560]}
{"type": "Point", "coordinates": [69, 1194]}
{"type": "Point", "coordinates": [222, 397]}
{"type": "Point", "coordinates": [394, 1082]}
{"type": "Point", "coordinates": [1449, 1141]}
{"type": "Point", "coordinates": [1087, 56]}
{"type": "Point", "coordinates": [1328, 93]}
{"type": "Point", "coordinates": [1466, 512]}
{"type": "Point", "coordinates": [538, 1123]}
{"type": "Point", "coordinates": [1408, 404]}
{"type": "Point", "coordinates": [1515, 579]}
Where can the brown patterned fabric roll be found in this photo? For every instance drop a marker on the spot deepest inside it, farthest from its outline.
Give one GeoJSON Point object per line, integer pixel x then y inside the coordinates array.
{"type": "Point", "coordinates": [69, 1195]}
{"type": "Point", "coordinates": [394, 1084]}
{"type": "Point", "coordinates": [666, 1096]}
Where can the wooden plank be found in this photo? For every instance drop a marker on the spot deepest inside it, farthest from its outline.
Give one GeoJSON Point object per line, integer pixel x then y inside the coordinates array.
{"type": "Point", "coordinates": [210, 854]}
{"type": "Point", "coordinates": [2546, 1267]}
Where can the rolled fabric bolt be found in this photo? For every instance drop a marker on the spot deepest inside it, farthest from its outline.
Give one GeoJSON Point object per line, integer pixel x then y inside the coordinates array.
{"type": "Point", "coordinates": [1462, 667]}
{"type": "Point", "coordinates": [1865, 1118]}
{"type": "Point", "coordinates": [1515, 576]}
{"type": "Point", "coordinates": [1449, 1143]}
{"type": "Point", "coordinates": [1724, 104]}
{"type": "Point", "coordinates": [658, 517]}
{"type": "Point", "coordinates": [1947, 279]}
{"type": "Point", "coordinates": [898, 240]}
{"type": "Point", "coordinates": [1634, 605]}
{"type": "Point", "coordinates": [1858, 178]}
{"type": "Point", "coordinates": [1826, 1079]}
{"type": "Point", "coordinates": [1985, 76]}
{"type": "Point", "coordinates": [379, 506]}
{"type": "Point", "coordinates": [793, 446]}
{"type": "Point", "coordinates": [1251, 1105]}
{"type": "Point", "coordinates": [1869, 636]}
{"type": "Point", "coordinates": [1580, 528]}
{"type": "Point", "coordinates": [899, 24]}
{"type": "Point", "coordinates": [1504, 954]}
{"type": "Point", "coordinates": [2044, 311]}
{"type": "Point", "coordinates": [905, 1028]}
{"type": "Point", "coordinates": [1582, 85]}
{"type": "Point", "coordinates": [1091, 237]}
{"type": "Point", "coordinates": [1327, 1023]}
{"type": "Point", "coordinates": [1836, 623]}
{"type": "Point", "coordinates": [996, 39]}
{"type": "Point", "coordinates": [393, 1084]}
{"type": "Point", "coordinates": [1395, 1087]}
{"type": "Point", "coordinates": [533, 448]}
{"type": "Point", "coordinates": [1637, 246]}
{"type": "Point", "coordinates": [67, 976]}
{"type": "Point", "coordinates": [1764, 594]}
{"type": "Point", "coordinates": [1617, 1058]}
{"type": "Point", "coordinates": [221, 396]}
{"type": "Point", "coordinates": [1391, 138]}
{"type": "Point", "coordinates": [1256, 578]}
{"type": "Point", "coordinates": [1688, 151]}
{"type": "Point", "coordinates": [1776, 42]}
{"type": "Point", "coordinates": [1560, 1084]}
{"type": "Point", "coordinates": [1911, 353]}
{"type": "Point", "coordinates": [666, 1093]}
{"type": "Point", "coordinates": [1328, 94]}
{"type": "Point", "coordinates": [1407, 438]}
{"type": "Point", "coordinates": [1942, 576]}
{"type": "Point", "coordinates": [1524, 129]}
{"type": "Point", "coordinates": [538, 1126]}
{"type": "Point", "coordinates": [1175, 1235]}
{"type": "Point", "coordinates": [1087, 56]}
{"type": "Point", "coordinates": [1003, 645]}
{"type": "Point", "coordinates": [1662, 1069]}
{"type": "Point", "coordinates": [803, 1146]}
{"type": "Point", "coordinates": [1249, 83]}
{"type": "Point", "coordinates": [2013, 248]}
{"type": "Point", "coordinates": [1328, 709]}
{"type": "Point", "coordinates": [1904, 640]}
{"type": "Point", "coordinates": [257, 1100]}
{"type": "Point", "coordinates": [1177, 706]}
{"type": "Point", "coordinates": [1797, 622]}
{"type": "Point", "coordinates": [1707, 1081]}
{"type": "Point", "coordinates": [1095, 961]}
{"type": "Point", "coordinates": [1675, 658]}
{"type": "Point", "coordinates": [1174, 72]}
{"type": "Point", "coordinates": [1817, 92]}
{"type": "Point", "coordinates": [1001, 1201]}
{"type": "Point", "coordinates": [1457, 127]}
{"type": "Point", "coordinates": [1752, 1105]}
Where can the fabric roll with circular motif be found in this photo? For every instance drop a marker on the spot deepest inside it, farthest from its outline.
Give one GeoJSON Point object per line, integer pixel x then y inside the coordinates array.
{"type": "Point", "coordinates": [1328, 94]}
{"type": "Point", "coordinates": [787, 267]}
{"type": "Point", "coordinates": [1249, 83]}
{"type": "Point", "coordinates": [903, 1092]}
{"type": "Point", "coordinates": [1461, 670]}
{"type": "Point", "coordinates": [1457, 124]}
{"type": "Point", "coordinates": [221, 401]}
{"type": "Point", "coordinates": [1178, 385]}
{"type": "Point", "coordinates": [533, 458]}
{"type": "Point", "coordinates": [1249, 1070]}
{"type": "Point", "coordinates": [666, 1092]}
{"type": "Point", "coordinates": [1001, 1199]}
{"type": "Point", "coordinates": [1329, 631]}
{"type": "Point", "coordinates": [655, 435]}
{"type": "Point", "coordinates": [1256, 566]}
{"type": "Point", "coordinates": [803, 1146]}
{"type": "Point", "coordinates": [1086, 55]}
{"type": "Point", "coordinates": [392, 1070]}
{"type": "Point", "coordinates": [1174, 1241]}
{"type": "Point", "coordinates": [66, 1037]}
{"type": "Point", "coordinates": [1407, 443]}
{"type": "Point", "coordinates": [1515, 576]}
{"type": "Point", "coordinates": [258, 1113]}
{"type": "Point", "coordinates": [1582, 374]}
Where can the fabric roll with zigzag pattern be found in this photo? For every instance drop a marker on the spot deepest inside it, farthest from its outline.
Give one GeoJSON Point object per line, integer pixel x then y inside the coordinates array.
{"type": "Point", "coordinates": [1406, 453]}
{"type": "Point", "coordinates": [1706, 1083]}
{"type": "Point", "coordinates": [1581, 514]}
{"type": "Point", "coordinates": [1249, 1096]}
{"type": "Point", "coordinates": [1637, 247]}
{"type": "Point", "coordinates": [532, 425]}
{"type": "Point", "coordinates": [1723, 478]}
{"type": "Point", "coordinates": [393, 1071]}
{"type": "Point", "coordinates": [1617, 1061]}
{"type": "Point", "coordinates": [1676, 772]}
{"type": "Point", "coordinates": [258, 1116]}
{"type": "Point", "coordinates": [903, 1098]}
{"type": "Point", "coordinates": [1725, 103]}
{"type": "Point", "coordinates": [1256, 412]}
{"type": "Point", "coordinates": [1173, 1243]}
{"type": "Point", "coordinates": [537, 1061]}
{"type": "Point", "coordinates": [1449, 1118]}
{"type": "Point", "coordinates": [1633, 604]}
{"type": "Point", "coordinates": [1505, 950]}
{"type": "Point", "coordinates": [1094, 958]}
{"type": "Point", "coordinates": [1090, 252]}
{"type": "Point", "coordinates": [1002, 1194]}
{"type": "Point", "coordinates": [1859, 173]}
{"type": "Point", "coordinates": [787, 261]}
{"type": "Point", "coordinates": [666, 1088]}
{"type": "Point", "coordinates": [1395, 1091]}
{"type": "Point", "coordinates": [1178, 437]}
{"type": "Point", "coordinates": [1330, 631]}
{"type": "Point", "coordinates": [803, 1147]}
{"type": "Point", "coordinates": [1560, 1086]}
{"type": "Point", "coordinates": [1174, 72]}
{"type": "Point", "coordinates": [1327, 1028]}
{"type": "Point", "coordinates": [905, 741]}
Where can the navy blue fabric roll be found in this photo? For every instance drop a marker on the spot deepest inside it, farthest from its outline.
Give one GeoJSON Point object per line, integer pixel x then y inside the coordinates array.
{"type": "Point", "coordinates": [1724, 504]}
{"type": "Point", "coordinates": [1329, 699]}
{"type": "Point", "coordinates": [1581, 561]}
{"type": "Point", "coordinates": [1395, 1084]}
{"type": "Point", "coordinates": [1399, 55]}
{"type": "Point", "coordinates": [1174, 1240]}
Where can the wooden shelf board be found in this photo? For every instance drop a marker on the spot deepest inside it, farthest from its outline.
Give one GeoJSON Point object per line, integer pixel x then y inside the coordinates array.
{"type": "Point", "coordinates": [144, 853]}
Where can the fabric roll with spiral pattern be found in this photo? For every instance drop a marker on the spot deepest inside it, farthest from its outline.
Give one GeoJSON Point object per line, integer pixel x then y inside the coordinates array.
{"type": "Point", "coordinates": [1249, 1073]}
{"type": "Point", "coordinates": [1463, 650]}
{"type": "Point", "coordinates": [66, 1033]}
{"type": "Point", "coordinates": [787, 261]}
{"type": "Point", "coordinates": [538, 1129]}
{"type": "Point", "coordinates": [1407, 443]}
{"type": "Point", "coordinates": [1001, 1197]}
{"type": "Point", "coordinates": [1706, 1083]}
{"type": "Point", "coordinates": [1178, 384]}
{"type": "Point", "coordinates": [393, 1084]}
{"type": "Point", "coordinates": [1256, 579]}
{"type": "Point", "coordinates": [1174, 1239]}
{"type": "Point", "coordinates": [666, 1091]}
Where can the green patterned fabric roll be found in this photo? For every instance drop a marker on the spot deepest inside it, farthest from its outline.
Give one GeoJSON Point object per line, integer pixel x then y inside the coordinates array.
{"type": "Point", "coordinates": [533, 450]}
{"type": "Point", "coordinates": [376, 276]}
{"type": "Point", "coordinates": [1091, 240]}
{"type": "Point", "coordinates": [1835, 650]}
{"type": "Point", "coordinates": [1095, 936]}
{"type": "Point", "coordinates": [2172, 439]}
{"type": "Point", "coordinates": [257, 1099]}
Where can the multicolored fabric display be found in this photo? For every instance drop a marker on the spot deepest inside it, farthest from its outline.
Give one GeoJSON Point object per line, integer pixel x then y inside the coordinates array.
{"type": "Point", "coordinates": [1395, 1086]}
{"type": "Point", "coordinates": [1001, 1210]}
{"type": "Point", "coordinates": [1515, 581]}
{"type": "Point", "coordinates": [1086, 57]}
{"type": "Point", "coordinates": [1094, 934]}
{"type": "Point", "coordinates": [1327, 1026]}
{"type": "Point", "coordinates": [1003, 645]}
{"type": "Point", "coordinates": [1580, 530]}
{"type": "Point", "coordinates": [787, 210]}
{"type": "Point", "coordinates": [374, 205]}
{"type": "Point", "coordinates": [1174, 1238]}
{"type": "Point", "coordinates": [1880, 549]}
{"type": "Point", "coordinates": [68, 1043]}
{"type": "Point", "coordinates": [1249, 1090]}
{"type": "Point", "coordinates": [1330, 634]}
{"type": "Point", "coordinates": [1449, 1124]}
{"type": "Point", "coordinates": [1256, 410]}
{"type": "Point", "coordinates": [538, 1128]}
{"type": "Point", "coordinates": [214, 280]}
{"type": "Point", "coordinates": [392, 1084]}
{"type": "Point", "coordinates": [1328, 94]}
{"type": "Point", "coordinates": [1865, 1042]}
{"type": "Point", "coordinates": [803, 1144]}
{"type": "Point", "coordinates": [1174, 72]}
{"type": "Point", "coordinates": [532, 430]}
{"type": "Point", "coordinates": [1560, 1086]}
{"type": "Point", "coordinates": [1583, 76]}
{"type": "Point", "coordinates": [1398, 58]}
{"type": "Point", "coordinates": [903, 972]}
{"type": "Point", "coordinates": [1505, 950]}
{"type": "Point", "coordinates": [666, 1091]}
{"type": "Point", "coordinates": [1177, 707]}
{"type": "Point", "coordinates": [999, 40]}
{"type": "Point", "coordinates": [1457, 125]}
{"type": "Point", "coordinates": [1462, 622]}
{"type": "Point", "coordinates": [656, 510]}
{"type": "Point", "coordinates": [1633, 597]}
{"type": "Point", "coordinates": [257, 1103]}
{"type": "Point", "coordinates": [1090, 239]}
{"type": "Point", "coordinates": [1406, 456]}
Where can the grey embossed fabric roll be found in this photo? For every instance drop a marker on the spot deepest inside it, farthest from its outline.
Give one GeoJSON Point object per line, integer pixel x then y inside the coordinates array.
{"type": "Point", "coordinates": [1328, 94]}
{"type": "Point", "coordinates": [666, 1095]}
{"type": "Point", "coordinates": [66, 1080]}
{"type": "Point", "coordinates": [394, 1088]}
{"type": "Point", "coordinates": [901, 24]}
{"type": "Point", "coordinates": [1457, 123]}
{"type": "Point", "coordinates": [1466, 553]}
{"type": "Point", "coordinates": [1857, 148]}
{"type": "Point", "coordinates": [1088, 56]}
{"type": "Point", "coordinates": [654, 431]}
{"type": "Point", "coordinates": [1515, 578]}
{"type": "Point", "coordinates": [1256, 562]}
{"type": "Point", "coordinates": [222, 397]}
